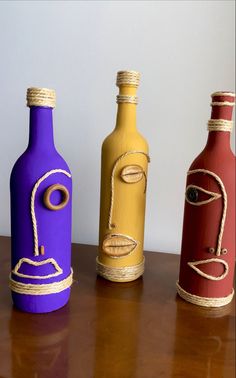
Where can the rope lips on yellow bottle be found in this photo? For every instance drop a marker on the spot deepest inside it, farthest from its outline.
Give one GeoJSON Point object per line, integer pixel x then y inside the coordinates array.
{"type": "Point", "coordinates": [123, 190]}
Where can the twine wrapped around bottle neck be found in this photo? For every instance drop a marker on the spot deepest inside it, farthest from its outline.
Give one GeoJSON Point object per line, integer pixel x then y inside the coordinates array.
{"type": "Point", "coordinates": [41, 97]}
{"type": "Point", "coordinates": [223, 94]}
{"type": "Point", "coordinates": [220, 125]}
{"type": "Point", "coordinates": [222, 107]}
{"type": "Point", "coordinates": [120, 99]}
{"type": "Point", "coordinates": [128, 78]}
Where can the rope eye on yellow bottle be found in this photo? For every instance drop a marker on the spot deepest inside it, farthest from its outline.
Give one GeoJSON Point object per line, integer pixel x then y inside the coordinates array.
{"type": "Point", "coordinates": [123, 190]}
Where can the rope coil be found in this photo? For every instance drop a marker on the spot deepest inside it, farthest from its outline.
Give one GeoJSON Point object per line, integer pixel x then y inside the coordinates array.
{"type": "Point", "coordinates": [41, 97]}
{"type": "Point", "coordinates": [41, 289]}
{"type": "Point", "coordinates": [129, 78]}
{"type": "Point", "coordinates": [123, 274]}
{"type": "Point", "coordinates": [220, 125]}
{"type": "Point", "coordinates": [203, 301]}
{"type": "Point", "coordinates": [127, 98]}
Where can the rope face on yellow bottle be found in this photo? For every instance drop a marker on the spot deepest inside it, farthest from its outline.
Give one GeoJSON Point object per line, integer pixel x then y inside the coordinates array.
{"type": "Point", "coordinates": [116, 245]}
{"type": "Point", "coordinates": [123, 190]}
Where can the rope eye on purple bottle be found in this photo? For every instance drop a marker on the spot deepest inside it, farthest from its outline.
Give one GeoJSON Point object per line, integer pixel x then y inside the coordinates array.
{"type": "Point", "coordinates": [41, 191]}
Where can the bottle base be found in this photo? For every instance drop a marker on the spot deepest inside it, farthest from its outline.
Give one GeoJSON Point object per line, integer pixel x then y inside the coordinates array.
{"type": "Point", "coordinates": [39, 304]}
{"type": "Point", "coordinates": [203, 301]}
{"type": "Point", "coordinates": [123, 274]}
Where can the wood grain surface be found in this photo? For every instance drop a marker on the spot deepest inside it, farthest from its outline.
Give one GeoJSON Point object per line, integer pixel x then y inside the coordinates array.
{"type": "Point", "coordinates": [116, 330]}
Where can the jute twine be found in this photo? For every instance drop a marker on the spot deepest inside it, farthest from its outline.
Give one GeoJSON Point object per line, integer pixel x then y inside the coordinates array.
{"type": "Point", "coordinates": [32, 204]}
{"type": "Point", "coordinates": [225, 203]}
{"type": "Point", "coordinates": [213, 196]}
{"type": "Point", "coordinates": [41, 289]}
{"type": "Point", "coordinates": [126, 98]}
{"type": "Point", "coordinates": [112, 193]}
{"type": "Point", "coordinates": [123, 274]}
{"type": "Point", "coordinates": [220, 125]}
{"type": "Point", "coordinates": [129, 78]}
{"type": "Point", "coordinates": [222, 94]}
{"type": "Point", "coordinates": [41, 97]}
{"type": "Point", "coordinates": [204, 301]}
{"type": "Point", "coordinates": [193, 265]}
{"type": "Point", "coordinates": [222, 103]}
{"type": "Point", "coordinates": [37, 263]}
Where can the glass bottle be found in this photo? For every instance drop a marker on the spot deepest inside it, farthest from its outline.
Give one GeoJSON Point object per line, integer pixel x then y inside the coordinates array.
{"type": "Point", "coordinates": [40, 188]}
{"type": "Point", "coordinates": [208, 242]}
{"type": "Point", "coordinates": [123, 190]}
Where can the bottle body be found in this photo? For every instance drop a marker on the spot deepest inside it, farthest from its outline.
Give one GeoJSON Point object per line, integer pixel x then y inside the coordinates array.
{"type": "Point", "coordinates": [122, 199]}
{"type": "Point", "coordinates": [208, 241]}
{"type": "Point", "coordinates": [40, 229]}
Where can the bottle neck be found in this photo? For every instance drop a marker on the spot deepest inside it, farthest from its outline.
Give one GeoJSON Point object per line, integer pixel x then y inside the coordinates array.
{"type": "Point", "coordinates": [220, 139]}
{"type": "Point", "coordinates": [41, 129]}
{"type": "Point", "coordinates": [126, 112]}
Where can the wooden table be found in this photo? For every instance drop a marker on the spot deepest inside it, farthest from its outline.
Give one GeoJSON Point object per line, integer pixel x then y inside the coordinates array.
{"type": "Point", "coordinates": [116, 330]}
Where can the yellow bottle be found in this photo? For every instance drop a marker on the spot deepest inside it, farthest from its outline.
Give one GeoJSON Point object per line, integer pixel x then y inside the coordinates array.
{"type": "Point", "coordinates": [123, 190]}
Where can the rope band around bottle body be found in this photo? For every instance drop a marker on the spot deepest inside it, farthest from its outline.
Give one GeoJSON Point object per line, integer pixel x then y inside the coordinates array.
{"type": "Point", "coordinates": [122, 274]}
{"type": "Point", "coordinates": [41, 289]}
{"type": "Point", "coordinates": [32, 204]}
{"type": "Point", "coordinates": [126, 99]}
{"type": "Point", "coordinates": [204, 301]}
{"type": "Point", "coordinates": [220, 125]}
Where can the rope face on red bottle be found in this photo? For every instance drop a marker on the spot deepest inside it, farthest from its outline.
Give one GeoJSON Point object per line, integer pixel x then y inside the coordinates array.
{"type": "Point", "coordinates": [193, 199]}
{"type": "Point", "coordinates": [210, 186]}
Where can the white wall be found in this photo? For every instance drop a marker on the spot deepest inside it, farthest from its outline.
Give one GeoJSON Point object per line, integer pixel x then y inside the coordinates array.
{"type": "Point", "coordinates": [184, 51]}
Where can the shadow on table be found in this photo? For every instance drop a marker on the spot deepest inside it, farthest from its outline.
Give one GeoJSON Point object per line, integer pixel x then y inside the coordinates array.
{"type": "Point", "coordinates": [203, 344]}
{"type": "Point", "coordinates": [39, 344]}
{"type": "Point", "coordinates": [117, 328]}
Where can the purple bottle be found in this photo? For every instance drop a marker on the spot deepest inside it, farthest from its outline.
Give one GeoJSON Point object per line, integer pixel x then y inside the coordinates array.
{"type": "Point", "coordinates": [41, 190]}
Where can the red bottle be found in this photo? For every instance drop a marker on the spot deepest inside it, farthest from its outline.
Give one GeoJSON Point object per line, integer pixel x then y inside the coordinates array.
{"type": "Point", "coordinates": [208, 242]}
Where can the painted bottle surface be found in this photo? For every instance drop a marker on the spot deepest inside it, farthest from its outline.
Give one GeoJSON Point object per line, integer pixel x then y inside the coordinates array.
{"type": "Point", "coordinates": [123, 190]}
{"type": "Point", "coordinates": [208, 241]}
{"type": "Point", "coordinates": [41, 192]}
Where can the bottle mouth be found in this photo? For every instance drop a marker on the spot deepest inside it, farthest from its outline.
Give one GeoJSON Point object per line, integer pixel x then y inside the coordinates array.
{"type": "Point", "coordinates": [222, 109]}
{"type": "Point", "coordinates": [41, 97]}
{"type": "Point", "coordinates": [128, 78]}
{"type": "Point", "coordinates": [223, 93]}
{"type": "Point", "coordinates": [223, 99]}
